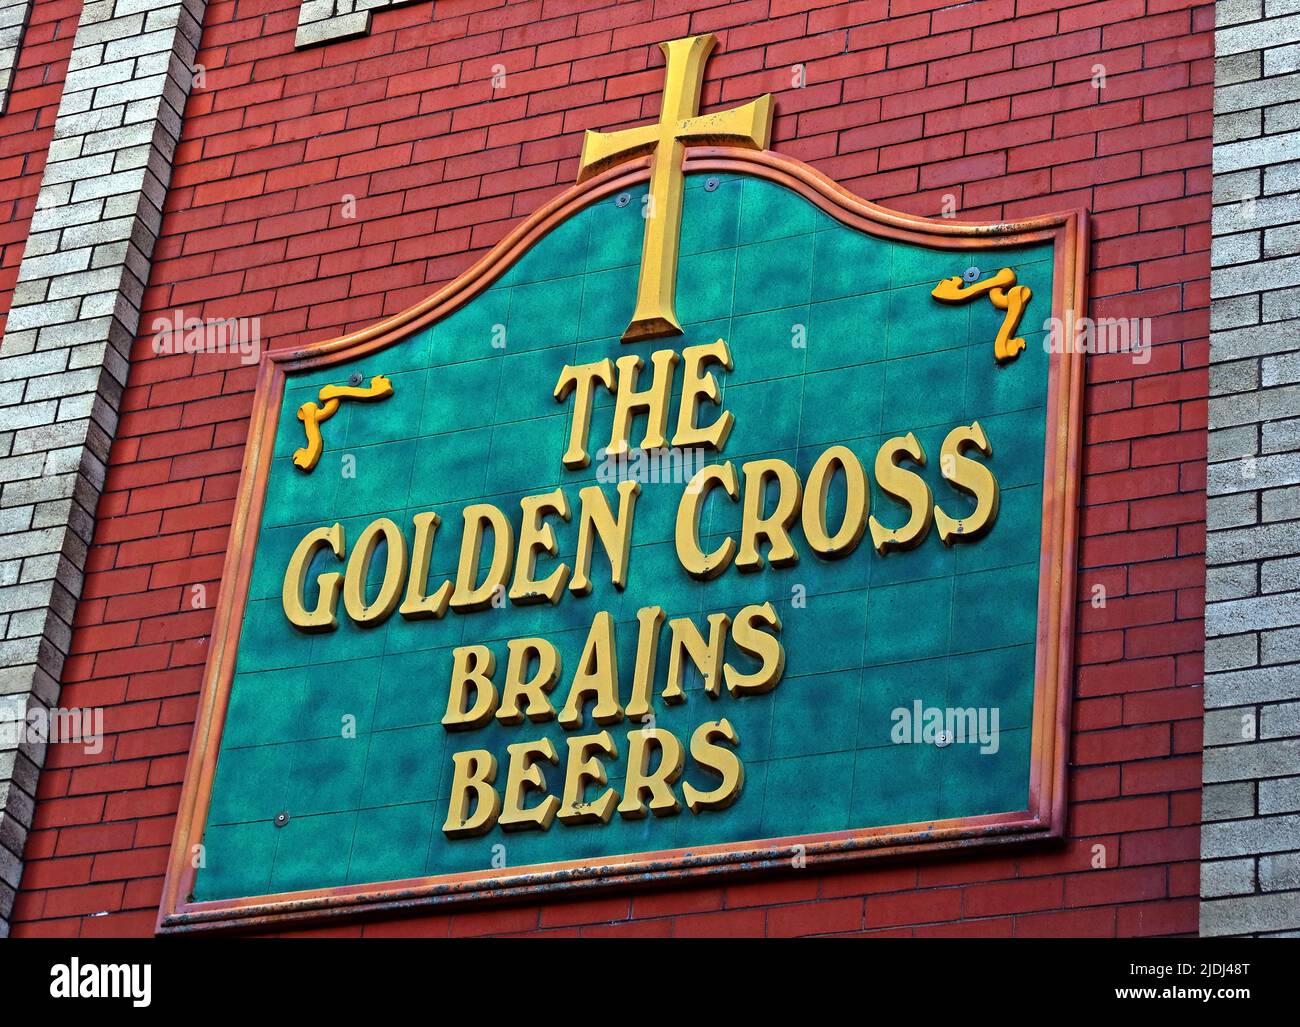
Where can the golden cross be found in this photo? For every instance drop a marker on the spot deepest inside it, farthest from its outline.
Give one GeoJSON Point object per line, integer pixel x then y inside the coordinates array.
{"type": "Point", "coordinates": [680, 124]}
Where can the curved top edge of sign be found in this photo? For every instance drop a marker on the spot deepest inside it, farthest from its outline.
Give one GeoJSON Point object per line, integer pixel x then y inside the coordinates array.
{"type": "Point", "coordinates": [822, 191]}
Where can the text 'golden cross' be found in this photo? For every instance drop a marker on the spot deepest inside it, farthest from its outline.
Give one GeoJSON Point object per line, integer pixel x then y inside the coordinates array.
{"type": "Point", "coordinates": [679, 126]}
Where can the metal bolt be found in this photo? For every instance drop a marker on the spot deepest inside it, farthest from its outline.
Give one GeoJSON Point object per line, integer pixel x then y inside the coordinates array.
{"type": "Point", "coordinates": [623, 200]}
{"type": "Point", "coordinates": [972, 274]}
{"type": "Point", "coordinates": [356, 378]}
{"type": "Point", "coordinates": [282, 818]}
{"type": "Point", "coordinates": [711, 184]}
{"type": "Point", "coordinates": [943, 739]}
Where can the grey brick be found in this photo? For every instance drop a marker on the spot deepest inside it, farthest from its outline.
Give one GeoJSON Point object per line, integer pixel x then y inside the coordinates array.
{"type": "Point", "coordinates": [1233, 444]}
{"type": "Point", "coordinates": [1254, 473]}
{"type": "Point", "coordinates": [39, 315]}
{"type": "Point", "coordinates": [1234, 127]}
{"type": "Point", "coordinates": [66, 384]}
{"type": "Point", "coordinates": [1238, 67]}
{"type": "Point", "coordinates": [1281, 504]}
{"type": "Point", "coordinates": [60, 262]}
{"type": "Point", "coordinates": [1280, 872]}
{"type": "Point", "coordinates": [1236, 248]}
{"type": "Point", "coordinates": [1282, 240]}
{"type": "Point", "coordinates": [27, 415]}
{"type": "Point", "coordinates": [1227, 877]}
{"type": "Point", "coordinates": [1258, 543]}
{"type": "Point", "coordinates": [1257, 835]}
{"type": "Point", "coordinates": [1233, 12]}
{"type": "Point", "coordinates": [1280, 720]}
{"type": "Point", "coordinates": [96, 75]}
{"type": "Point", "coordinates": [1244, 216]}
{"type": "Point", "coordinates": [1235, 312]}
{"type": "Point", "coordinates": [1282, 369]}
{"type": "Point", "coordinates": [1229, 801]}
{"type": "Point", "coordinates": [1279, 795]}
{"type": "Point", "coordinates": [1245, 95]}
{"type": "Point", "coordinates": [1279, 575]}
{"type": "Point", "coordinates": [1280, 436]}
{"type": "Point", "coordinates": [1278, 60]}
{"type": "Point", "coordinates": [1256, 277]}
{"type": "Point", "coordinates": [1281, 178]}
{"type": "Point", "coordinates": [1232, 726]}
{"type": "Point", "coordinates": [1232, 582]}
{"type": "Point", "coordinates": [156, 42]}
{"type": "Point", "coordinates": [1256, 685]}
{"type": "Point", "coordinates": [1231, 652]}
{"type": "Point", "coordinates": [1285, 117]}
{"type": "Point", "coordinates": [1250, 914]}
{"type": "Point", "coordinates": [1251, 761]}
{"type": "Point", "coordinates": [1229, 377]}
{"type": "Point", "coordinates": [1254, 341]}
{"type": "Point", "coordinates": [346, 27]}
{"type": "Point", "coordinates": [1282, 646]}
{"type": "Point", "coordinates": [1232, 188]}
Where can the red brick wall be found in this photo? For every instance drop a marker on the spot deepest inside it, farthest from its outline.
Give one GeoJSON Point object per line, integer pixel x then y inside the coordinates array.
{"type": "Point", "coordinates": [27, 126]}
{"type": "Point", "coordinates": [992, 102]}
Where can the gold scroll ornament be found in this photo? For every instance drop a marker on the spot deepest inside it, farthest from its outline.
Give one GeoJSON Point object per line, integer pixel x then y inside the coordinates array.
{"type": "Point", "coordinates": [1004, 294]}
{"type": "Point", "coordinates": [311, 415]}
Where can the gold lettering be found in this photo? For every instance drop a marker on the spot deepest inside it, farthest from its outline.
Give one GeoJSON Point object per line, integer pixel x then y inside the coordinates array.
{"type": "Point", "coordinates": [522, 776]}
{"type": "Point", "coordinates": [969, 476]}
{"type": "Point", "coordinates": [650, 619]}
{"type": "Point", "coordinates": [659, 783]}
{"type": "Point", "coordinates": [721, 761]}
{"type": "Point", "coordinates": [536, 536]}
{"type": "Point", "coordinates": [518, 685]}
{"type": "Point", "coordinates": [857, 501]}
{"type": "Point", "coordinates": [468, 595]}
{"type": "Point", "coordinates": [763, 645]}
{"type": "Point", "coordinates": [904, 485]}
{"type": "Point", "coordinates": [474, 772]}
{"type": "Point", "coordinates": [653, 401]}
{"type": "Point", "coordinates": [694, 560]}
{"type": "Point", "coordinates": [597, 521]}
{"type": "Point", "coordinates": [585, 767]}
{"type": "Point", "coordinates": [322, 616]}
{"type": "Point", "coordinates": [775, 528]}
{"type": "Point", "coordinates": [354, 584]}
{"type": "Point", "coordinates": [597, 676]}
{"type": "Point", "coordinates": [707, 656]}
{"type": "Point", "coordinates": [582, 381]}
{"type": "Point", "coordinates": [418, 605]}
{"type": "Point", "coordinates": [698, 384]}
{"type": "Point", "coordinates": [472, 669]}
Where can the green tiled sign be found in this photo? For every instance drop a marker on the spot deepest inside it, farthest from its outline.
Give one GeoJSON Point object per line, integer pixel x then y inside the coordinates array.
{"type": "Point", "coordinates": [835, 339]}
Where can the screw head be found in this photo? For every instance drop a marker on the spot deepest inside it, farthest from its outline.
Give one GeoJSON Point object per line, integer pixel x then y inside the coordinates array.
{"type": "Point", "coordinates": [942, 740]}
{"type": "Point", "coordinates": [623, 200]}
{"type": "Point", "coordinates": [711, 184]}
{"type": "Point", "coordinates": [971, 274]}
{"type": "Point", "coordinates": [356, 378]}
{"type": "Point", "coordinates": [281, 818]}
